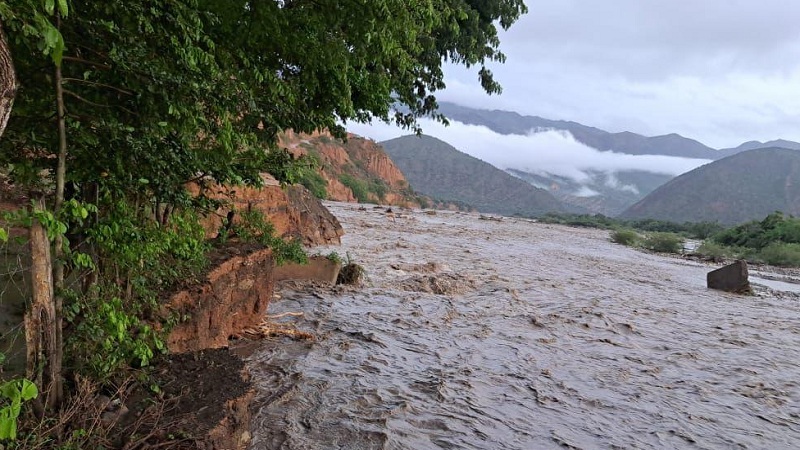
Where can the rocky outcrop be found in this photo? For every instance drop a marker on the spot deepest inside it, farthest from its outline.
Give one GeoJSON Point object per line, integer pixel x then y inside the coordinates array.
{"type": "Point", "coordinates": [359, 158]}
{"type": "Point", "coordinates": [375, 161]}
{"type": "Point", "coordinates": [337, 190]}
{"type": "Point", "coordinates": [309, 220]}
{"type": "Point", "coordinates": [730, 278]}
{"type": "Point", "coordinates": [292, 210]}
{"type": "Point", "coordinates": [233, 296]}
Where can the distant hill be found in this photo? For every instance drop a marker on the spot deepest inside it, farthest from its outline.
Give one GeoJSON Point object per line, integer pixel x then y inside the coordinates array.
{"type": "Point", "coordinates": [506, 122]}
{"type": "Point", "coordinates": [437, 169]}
{"type": "Point", "coordinates": [746, 186]}
{"type": "Point", "coordinates": [602, 193]}
{"type": "Point", "coordinates": [752, 145]}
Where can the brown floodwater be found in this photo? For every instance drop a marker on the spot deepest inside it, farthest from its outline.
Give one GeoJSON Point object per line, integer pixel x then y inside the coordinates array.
{"type": "Point", "coordinates": [483, 334]}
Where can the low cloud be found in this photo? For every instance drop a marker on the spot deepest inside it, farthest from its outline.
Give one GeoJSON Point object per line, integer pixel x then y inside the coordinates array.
{"type": "Point", "coordinates": [552, 151]}
{"type": "Point", "coordinates": [613, 182]}
{"type": "Point", "coordinates": [586, 191]}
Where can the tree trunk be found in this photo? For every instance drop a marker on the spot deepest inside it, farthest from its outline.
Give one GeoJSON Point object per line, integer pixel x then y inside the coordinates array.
{"type": "Point", "coordinates": [8, 81]}
{"type": "Point", "coordinates": [61, 175]}
{"type": "Point", "coordinates": [44, 349]}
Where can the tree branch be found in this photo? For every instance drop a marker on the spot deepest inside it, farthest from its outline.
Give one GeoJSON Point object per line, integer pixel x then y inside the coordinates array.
{"type": "Point", "coordinates": [87, 62]}
{"type": "Point", "coordinates": [94, 83]}
{"type": "Point", "coordinates": [89, 102]}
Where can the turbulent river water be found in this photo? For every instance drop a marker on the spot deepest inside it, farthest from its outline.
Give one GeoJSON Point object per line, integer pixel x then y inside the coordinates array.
{"type": "Point", "coordinates": [484, 334]}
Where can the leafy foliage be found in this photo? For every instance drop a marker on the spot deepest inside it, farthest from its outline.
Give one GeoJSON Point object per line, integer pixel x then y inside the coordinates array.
{"type": "Point", "coordinates": [773, 240]}
{"type": "Point", "coordinates": [254, 227]}
{"type": "Point", "coordinates": [359, 188]}
{"type": "Point", "coordinates": [12, 394]}
{"type": "Point", "coordinates": [780, 254]}
{"type": "Point", "coordinates": [758, 234]}
{"type": "Point", "coordinates": [108, 334]}
{"type": "Point", "coordinates": [311, 178]}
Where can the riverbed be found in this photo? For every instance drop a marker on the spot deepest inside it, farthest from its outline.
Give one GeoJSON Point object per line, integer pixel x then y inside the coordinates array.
{"type": "Point", "coordinates": [510, 334]}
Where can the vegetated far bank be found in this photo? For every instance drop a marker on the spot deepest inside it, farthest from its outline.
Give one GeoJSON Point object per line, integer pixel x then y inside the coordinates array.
{"type": "Point", "coordinates": [774, 240]}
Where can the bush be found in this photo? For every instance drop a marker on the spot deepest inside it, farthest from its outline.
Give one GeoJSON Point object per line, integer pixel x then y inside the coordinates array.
{"type": "Point", "coordinates": [314, 182]}
{"type": "Point", "coordinates": [663, 242]}
{"type": "Point", "coordinates": [379, 188]}
{"type": "Point", "coordinates": [358, 187]}
{"type": "Point", "coordinates": [779, 254]}
{"type": "Point", "coordinates": [625, 237]}
{"type": "Point", "coordinates": [711, 249]}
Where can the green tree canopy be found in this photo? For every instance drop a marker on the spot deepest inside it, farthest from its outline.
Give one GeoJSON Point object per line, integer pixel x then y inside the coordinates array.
{"type": "Point", "coordinates": [160, 92]}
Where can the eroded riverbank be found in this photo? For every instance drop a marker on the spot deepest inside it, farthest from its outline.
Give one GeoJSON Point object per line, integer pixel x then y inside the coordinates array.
{"type": "Point", "coordinates": [516, 335]}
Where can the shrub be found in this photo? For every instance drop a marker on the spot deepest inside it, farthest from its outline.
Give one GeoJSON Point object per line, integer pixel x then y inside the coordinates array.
{"type": "Point", "coordinates": [779, 254]}
{"type": "Point", "coordinates": [379, 188]}
{"type": "Point", "coordinates": [424, 203]}
{"type": "Point", "coordinates": [625, 237]}
{"type": "Point", "coordinates": [315, 183]}
{"type": "Point", "coordinates": [255, 227]}
{"type": "Point", "coordinates": [358, 187]}
{"type": "Point", "coordinates": [663, 242]}
{"type": "Point", "coordinates": [713, 250]}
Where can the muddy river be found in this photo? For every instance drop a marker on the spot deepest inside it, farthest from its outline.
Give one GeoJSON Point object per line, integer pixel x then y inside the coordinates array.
{"type": "Point", "coordinates": [483, 334]}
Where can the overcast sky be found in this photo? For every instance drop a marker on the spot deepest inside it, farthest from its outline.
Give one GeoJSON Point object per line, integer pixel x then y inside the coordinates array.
{"type": "Point", "coordinates": [719, 71]}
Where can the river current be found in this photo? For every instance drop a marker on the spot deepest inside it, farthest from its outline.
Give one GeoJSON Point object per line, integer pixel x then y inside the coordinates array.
{"type": "Point", "coordinates": [487, 334]}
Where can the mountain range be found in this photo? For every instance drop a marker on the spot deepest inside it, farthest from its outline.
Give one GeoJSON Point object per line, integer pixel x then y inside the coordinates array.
{"type": "Point", "coordinates": [597, 191]}
{"type": "Point", "coordinates": [437, 169]}
{"type": "Point", "coordinates": [507, 122]}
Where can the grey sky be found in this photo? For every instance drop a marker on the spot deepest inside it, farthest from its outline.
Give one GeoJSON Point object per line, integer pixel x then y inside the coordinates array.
{"type": "Point", "coordinates": [719, 71]}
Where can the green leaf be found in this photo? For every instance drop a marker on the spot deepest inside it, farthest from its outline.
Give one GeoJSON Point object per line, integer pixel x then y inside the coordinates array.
{"type": "Point", "coordinates": [9, 390]}
{"type": "Point", "coordinates": [3, 235]}
{"type": "Point", "coordinates": [8, 427]}
{"type": "Point", "coordinates": [50, 6]}
{"type": "Point", "coordinates": [62, 8]}
{"type": "Point", "coordinates": [29, 390]}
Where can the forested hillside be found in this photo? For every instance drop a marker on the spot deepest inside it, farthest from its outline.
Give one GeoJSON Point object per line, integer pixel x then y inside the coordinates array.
{"type": "Point", "coordinates": [437, 169]}
{"type": "Point", "coordinates": [746, 186]}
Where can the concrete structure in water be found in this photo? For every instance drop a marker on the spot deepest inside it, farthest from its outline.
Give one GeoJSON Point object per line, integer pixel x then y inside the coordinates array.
{"type": "Point", "coordinates": [730, 278]}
